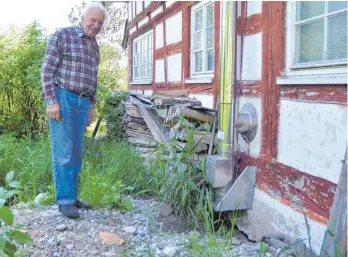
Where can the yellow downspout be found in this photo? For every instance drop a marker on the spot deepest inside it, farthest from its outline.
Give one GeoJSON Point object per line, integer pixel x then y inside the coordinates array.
{"type": "Point", "coordinates": [226, 78]}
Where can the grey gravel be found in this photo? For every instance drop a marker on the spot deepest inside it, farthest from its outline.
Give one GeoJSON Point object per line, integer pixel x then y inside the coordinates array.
{"type": "Point", "coordinates": [146, 231]}
{"type": "Point", "coordinates": [70, 247]}
{"type": "Point", "coordinates": [169, 251]}
{"type": "Point", "coordinates": [130, 230]}
{"type": "Point", "coordinates": [61, 227]}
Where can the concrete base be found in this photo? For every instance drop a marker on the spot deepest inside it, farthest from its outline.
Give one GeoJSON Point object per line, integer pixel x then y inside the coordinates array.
{"type": "Point", "coordinates": [270, 216]}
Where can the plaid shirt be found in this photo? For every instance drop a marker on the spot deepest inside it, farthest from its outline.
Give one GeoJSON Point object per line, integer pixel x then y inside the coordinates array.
{"type": "Point", "coordinates": [69, 64]}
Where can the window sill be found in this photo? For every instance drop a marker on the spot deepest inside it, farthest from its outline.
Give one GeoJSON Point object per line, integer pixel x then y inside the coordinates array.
{"type": "Point", "coordinates": [323, 64]}
{"type": "Point", "coordinates": [199, 80]}
{"type": "Point", "coordinates": [316, 79]}
{"type": "Point", "coordinates": [141, 82]}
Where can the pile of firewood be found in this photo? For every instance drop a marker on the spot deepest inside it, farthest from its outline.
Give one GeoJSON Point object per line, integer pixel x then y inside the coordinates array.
{"type": "Point", "coordinates": [167, 120]}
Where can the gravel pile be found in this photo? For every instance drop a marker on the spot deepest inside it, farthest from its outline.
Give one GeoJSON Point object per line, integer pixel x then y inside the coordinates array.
{"type": "Point", "coordinates": [147, 230]}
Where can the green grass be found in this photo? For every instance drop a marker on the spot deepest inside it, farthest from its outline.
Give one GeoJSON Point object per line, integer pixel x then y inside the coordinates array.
{"type": "Point", "coordinates": [112, 169]}
{"type": "Point", "coordinates": [109, 168]}
{"type": "Point", "coordinates": [217, 244]}
{"type": "Point", "coordinates": [31, 162]}
{"type": "Point", "coordinates": [178, 181]}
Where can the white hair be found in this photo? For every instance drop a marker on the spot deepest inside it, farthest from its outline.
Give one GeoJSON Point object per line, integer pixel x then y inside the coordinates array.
{"type": "Point", "coordinates": [91, 6]}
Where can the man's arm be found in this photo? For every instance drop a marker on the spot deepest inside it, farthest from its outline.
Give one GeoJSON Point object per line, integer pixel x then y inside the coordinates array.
{"type": "Point", "coordinates": [49, 67]}
{"type": "Point", "coordinates": [93, 101]}
{"type": "Point", "coordinates": [93, 97]}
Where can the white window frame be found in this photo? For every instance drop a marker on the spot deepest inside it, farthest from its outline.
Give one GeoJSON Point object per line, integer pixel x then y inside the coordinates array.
{"type": "Point", "coordinates": [147, 79]}
{"type": "Point", "coordinates": [322, 72]}
{"type": "Point", "coordinates": [204, 73]}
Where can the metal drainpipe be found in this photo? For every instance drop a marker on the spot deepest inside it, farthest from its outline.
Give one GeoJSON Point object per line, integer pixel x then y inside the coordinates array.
{"type": "Point", "coordinates": [226, 92]}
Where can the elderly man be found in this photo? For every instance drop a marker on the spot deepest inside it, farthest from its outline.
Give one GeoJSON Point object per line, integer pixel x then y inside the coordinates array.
{"type": "Point", "coordinates": [69, 80]}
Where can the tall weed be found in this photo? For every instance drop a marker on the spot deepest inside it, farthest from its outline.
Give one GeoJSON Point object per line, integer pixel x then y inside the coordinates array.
{"type": "Point", "coordinates": [110, 169]}
{"type": "Point", "coordinates": [178, 181]}
{"type": "Point", "coordinates": [116, 160]}
{"type": "Point", "coordinates": [31, 162]}
{"type": "Point", "coordinates": [105, 163]}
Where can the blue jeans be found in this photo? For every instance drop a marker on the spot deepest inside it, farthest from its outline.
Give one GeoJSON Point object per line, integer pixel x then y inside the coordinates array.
{"type": "Point", "coordinates": [67, 143]}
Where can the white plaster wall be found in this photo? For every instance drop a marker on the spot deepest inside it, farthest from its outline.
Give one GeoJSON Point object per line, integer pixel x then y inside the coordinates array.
{"type": "Point", "coordinates": [174, 68]}
{"type": "Point", "coordinates": [143, 21]}
{"type": "Point", "coordinates": [254, 7]}
{"type": "Point", "coordinates": [148, 92]}
{"type": "Point", "coordinates": [159, 35]}
{"type": "Point", "coordinates": [254, 147]}
{"type": "Point", "coordinates": [252, 57]}
{"type": "Point", "coordinates": [157, 11]}
{"type": "Point", "coordinates": [144, 92]}
{"type": "Point", "coordinates": [239, 57]}
{"type": "Point", "coordinates": [132, 30]}
{"type": "Point", "coordinates": [169, 3]}
{"type": "Point", "coordinates": [239, 8]}
{"type": "Point", "coordinates": [159, 71]}
{"type": "Point", "coordinates": [207, 100]}
{"type": "Point", "coordinates": [174, 29]}
{"type": "Point", "coordinates": [269, 216]}
{"type": "Point", "coordinates": [312, 137]}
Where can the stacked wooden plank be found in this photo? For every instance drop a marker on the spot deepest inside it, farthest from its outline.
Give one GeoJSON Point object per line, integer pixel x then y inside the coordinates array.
{"type": "Point", "coordinates": [135, 128]}
{"type": "Point", "coordinates": [174, 121]}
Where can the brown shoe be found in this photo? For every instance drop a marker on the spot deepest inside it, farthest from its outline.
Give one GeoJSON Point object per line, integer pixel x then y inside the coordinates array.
{"type": "Point", "coordinates": [79, 204]}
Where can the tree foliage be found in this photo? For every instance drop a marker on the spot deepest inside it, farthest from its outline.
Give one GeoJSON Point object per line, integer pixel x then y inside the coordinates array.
{"type": "Point", "coordinates": [21, 105]}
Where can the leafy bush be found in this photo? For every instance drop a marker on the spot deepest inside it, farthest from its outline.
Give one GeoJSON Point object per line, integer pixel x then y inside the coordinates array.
{"type": "Point", "coordinates": [10, 236]}
{"type": "Point", "coordinates": [98, 191]}
{"type": "Point", "coordinates": [113, 114]}
{"type": "Point", "coordinates": [31, 162]}
{"type": "Point", "coordinates": [21, 105]}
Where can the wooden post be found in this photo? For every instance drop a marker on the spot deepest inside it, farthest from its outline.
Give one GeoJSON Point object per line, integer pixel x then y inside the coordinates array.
{"type": "Point", "coordinates": [96, 127]}
{"type": "Point", "coordinates": [335, 238]}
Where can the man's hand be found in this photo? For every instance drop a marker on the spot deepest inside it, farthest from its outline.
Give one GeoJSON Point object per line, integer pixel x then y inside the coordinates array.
{"type": "Point", "coordinates": [53, 111]}
{"type": "Point", "coordinates": [91, 117]}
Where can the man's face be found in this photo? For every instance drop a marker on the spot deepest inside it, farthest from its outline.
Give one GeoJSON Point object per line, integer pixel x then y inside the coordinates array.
{"type": "Point", "coordinates": [93, 22]}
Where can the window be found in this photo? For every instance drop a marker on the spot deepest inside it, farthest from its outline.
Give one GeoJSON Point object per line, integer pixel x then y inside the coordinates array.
{"type": "Point", "coordinates": [316, 42]}
{"type": "Point", "coordinates": [139, 7]}
{"type": "Point", "coordinates": [147, 3]}
{"type": "Point", "coordinates": [202, 39]}
{"type": "Point", "coordinates": [142, 57]}
{"type": "Point", "coordinates": [320, 30]}
{"type": "Point", "coordinates": [130, 14]}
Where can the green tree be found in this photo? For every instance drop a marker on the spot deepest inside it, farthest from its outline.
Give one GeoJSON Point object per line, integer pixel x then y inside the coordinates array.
{"type": "Point", "coordinates": [21, 105]}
